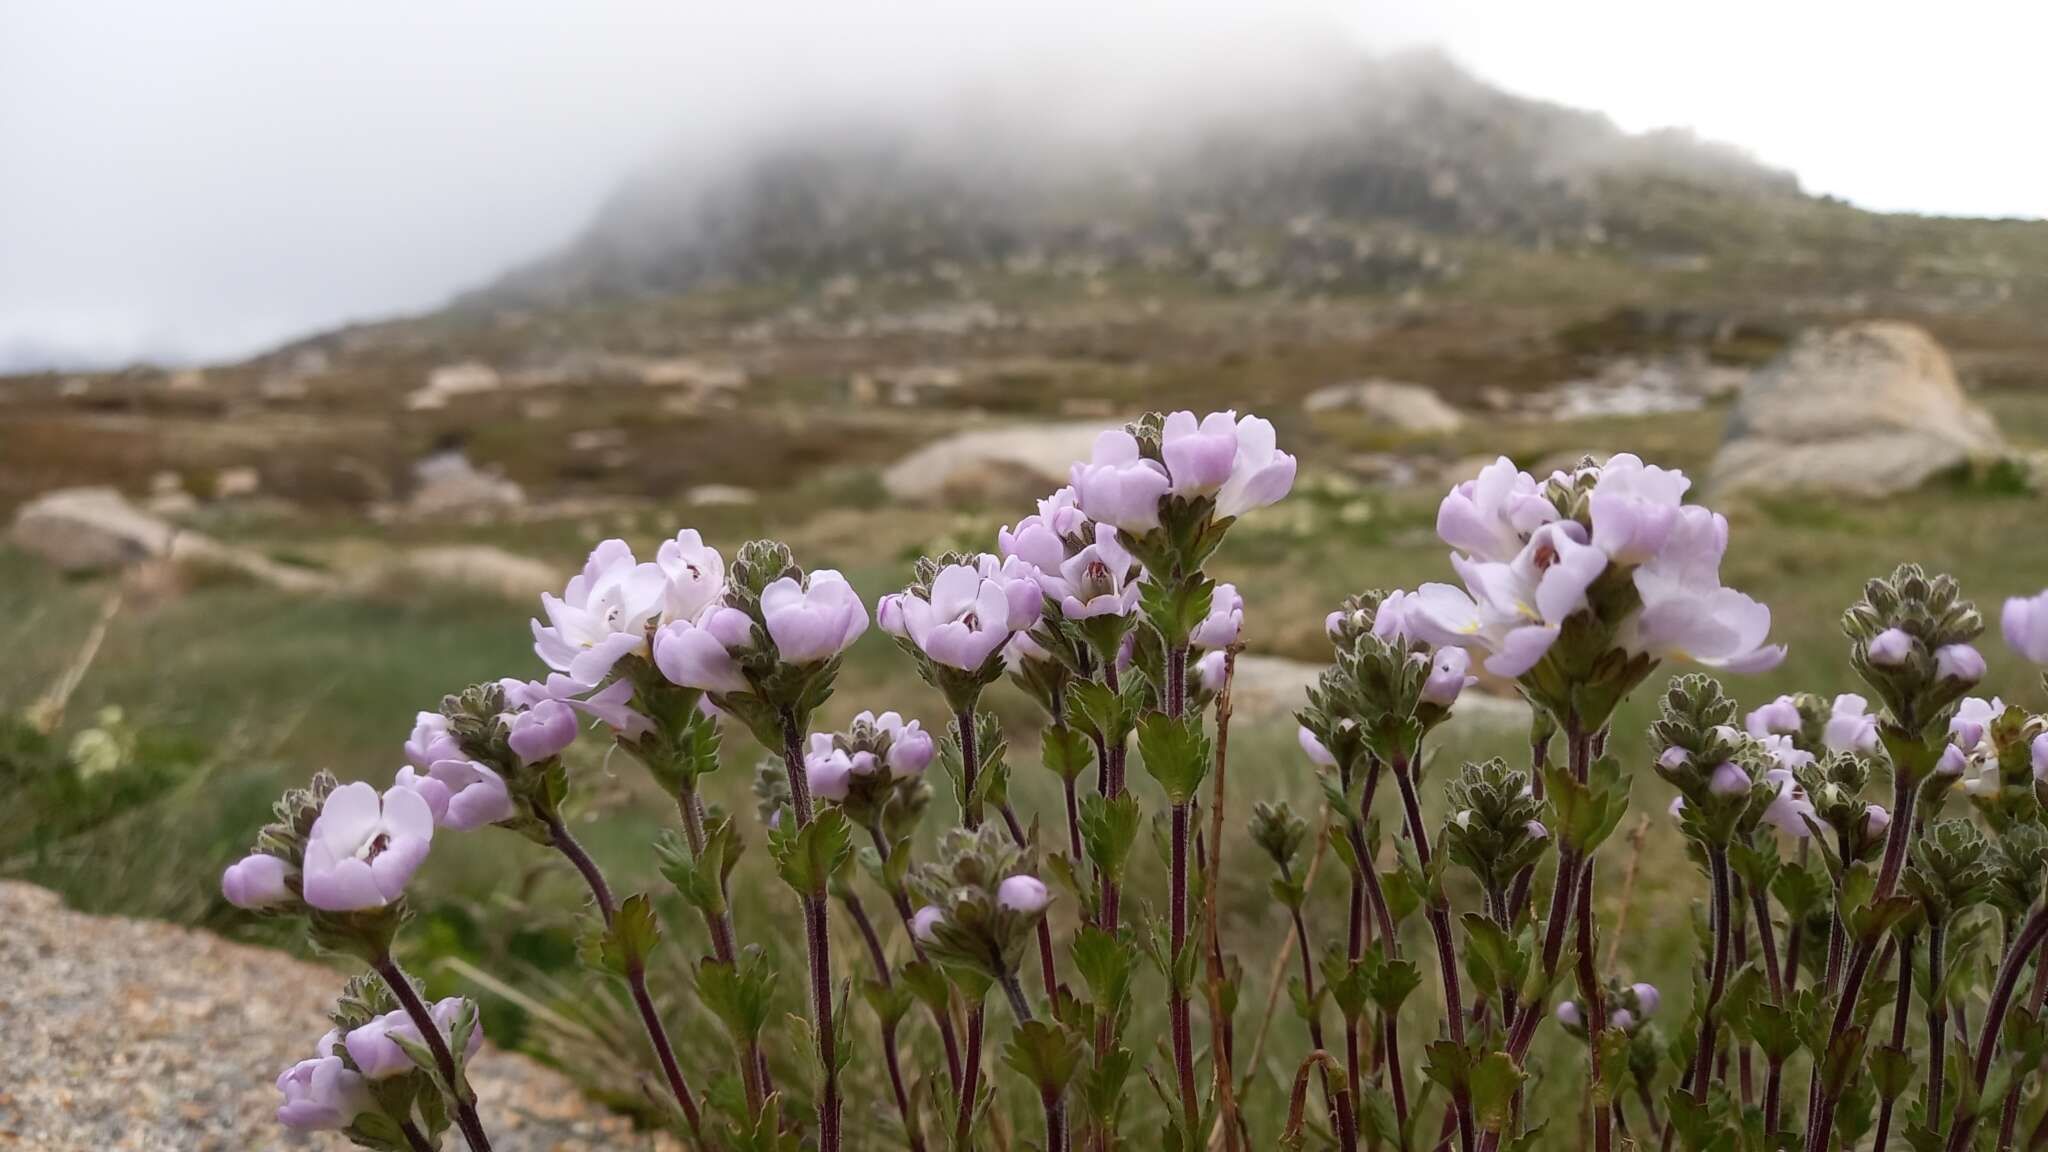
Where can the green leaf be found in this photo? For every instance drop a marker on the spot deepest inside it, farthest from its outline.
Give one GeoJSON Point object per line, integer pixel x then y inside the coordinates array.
{"type": "Point", "coordinates": [1109, 828]}
{"type": "Point", "coordinates": [623, 948]}
{"type": "Point", "coordinates": [806, 858]}
{"type": "Point", "coordinates": [1045, 1054]}
{"type": "Point", "coordinates": [1066, 752]}
{"type": "Point", "coordinates": [1176, 753]}
{"type": "Point", "coordinates": [1494, 1080]}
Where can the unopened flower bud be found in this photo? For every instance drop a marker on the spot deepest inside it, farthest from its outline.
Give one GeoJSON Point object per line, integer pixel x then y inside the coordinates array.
{"type": "Point", "coordinates": [255, 881]}
{"type": "Point", "coordinates": [2025, 622]}
{"type": "Point", "coordinates": [1959, 662]}
{"type": "Point", "coordinates": [1647, 998]}
{"type": "Point", "coordinates": [1317, 753]}
{"type": "Point", "coordinates": [1023, 894]}
{"type": "Point", "coordinates": [1673, 758]}
{"type": "Point", "coordinates": [1876, 820]}
{"type": "Point", "coordinates": [1623, 1019]}
{"type": "Point", "coordinates": [1568, 1015]}
{"type": "Point", "coordinates": [1728, 780]}
{"type": "Point", "coordinates": [321, 1094]}
{"type": "Point", "coordinates": [1952, 762]}
{"type": "Point", "coordinates": [925, 924]}
{"type": "Point", "coordinates": [1890, 648]}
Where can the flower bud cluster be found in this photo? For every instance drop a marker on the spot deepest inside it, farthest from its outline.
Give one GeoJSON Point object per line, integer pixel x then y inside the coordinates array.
{"type": "Point", "coordinates": [982, 905]}
{"type": "Point", "coordinates": [1911, 640]}
{"type": "Point", "coordinates": [1495, 830]}
{"type": "Point", "coordinates": [874, 769]}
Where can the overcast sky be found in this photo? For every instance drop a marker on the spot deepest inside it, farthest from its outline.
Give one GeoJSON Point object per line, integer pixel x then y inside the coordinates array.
{"type": "Point", "coordinates": [202, 178]}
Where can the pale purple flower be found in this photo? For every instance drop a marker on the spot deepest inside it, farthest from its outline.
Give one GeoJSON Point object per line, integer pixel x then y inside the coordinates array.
{"type": "Point", "coordinates": [1953, 762]}
{"type": "Point", "coordinates": [430, 741]}
{"type": "Point", "coordinates": [1024, 894]}
{"type": "Point", "coordinates": [321, 1095]}
{"type": "Point", "coordinates": [1491, 517]}
{"type": "Point", "coordinates": [1622, 1019]}
{"type": "Point", "coordinates": [1514, 610]}
{"type": "Point", "coordinates": [1633, 507]}
{"type": "Point", "coordinates": [364, 848]}
{"type": "Point", "coordinates": [925, 925]}
{"type": "Point", "coordinates": [971, 612]}
{"type": "Point", "coordinates": [1317, 753]}
{"type": "Point", "coordinates": [815, 620]}
{"type": "Point", "coordinates": [462, 794]}
{"type": "Point", "coordinates": [1568, 1014]}
{"type": "Point", "coordinates": [256, 881]}
{"type": "Point", "coordinates": [1260, 475]}
{"type": "Point", "coordinates": [830, 773]}
{"type": "Point", "coordinates": [910, 746]}
{"type": "Point", "coordinates": [1199, 457]}
{"type": "Point", "coordinates": [603, 614]}
{"type": "Point", "coordinates": [1687, 614]}
{"type": "Point", "coordinates": [695, 575]}
{"type": "Point", "coordinates": [1209, 671]}
{"type": "Point", "coordinates": [1876, 820]}
{"type": "Point", "coordinates": [2037, 753]}
{"type": "Point", "coordinates": [1390, 621]}
{"type": "Point", "coordinates": [541, 732]}
{"type": "Point", "coordinates": [1034, 544]}
{"type": "Point", "coordinates": [1225, 620]}
{"type": "Point", "coordinates": [1102, 578]}
{"type": "Point", "coordinates": [1789, 810]}
{"type": "Point", "coordinates": [1890, 648]}
{"type": "Point", "coordinates": [611, 705]}
{"type": "Point", "coordinates": [1536, 830]}
{"type": "Point", "coordinates": [1973, 718]}
{"type": "Point", "coordinates": [1784, 753]}
{"type": "Point", "coordinates": [1647, 998]}
{"type": "Point", "coordinates": [1779, 717]}
{"type": "Point", "coordinates": [1673, 758]}
{"type": "Point", "coordinates": [2025, 622]}
{"type": "Point", "coordinates": [1449, 674]}
{"type": "Point", "coordinates": [1850, 726]}
{"type": "Point", "coordinates": [1959, 662]}
{"type": "Point", "coordinates": [698, 655]}
{"type": "Point", "coordinates": [1022, 649]}
{"type": "Point", "coordinates": [1728, 780]}
{"type": "Point", "coordinates": [1118, 486]}
{"type": "Point", "coordinates": [375, 1049]}
{"type": "Point", "coordinates": [1676, 807]}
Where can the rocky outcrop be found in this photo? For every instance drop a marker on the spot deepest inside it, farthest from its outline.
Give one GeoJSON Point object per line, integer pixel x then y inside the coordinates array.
{"type": "Point", "coordinates": [1016, 461]}
{"type": "Point", "coordinates": [86, 530]}
{"type": "Point", "coordinates": [1865, 410]}
{"type": "Point", "coordinates": [1408, 407]}
{"type": "Point", "coordinates": [125, 1034]}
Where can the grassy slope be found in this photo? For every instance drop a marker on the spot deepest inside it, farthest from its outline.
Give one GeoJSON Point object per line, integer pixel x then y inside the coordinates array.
{"type": "Point", "coordinates": [269, 687]}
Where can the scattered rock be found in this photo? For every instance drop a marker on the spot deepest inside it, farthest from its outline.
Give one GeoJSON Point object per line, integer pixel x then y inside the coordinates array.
{"type": "Point", "coordinates": [237, 483]}
{"type": "Point", "coordinates": [719, 496]}
{"type": "Point", "coordinates": [167, 496]}
{"type": "Point", "coordinates": [84, 530]}
{"type": "Point", "coordinates": [128, 1034]}
{"type": "Point", "coordinates": [483, 567]}
{"type": "Point", "coordinates": [1012, 461]}
{"type": "Point", "coordinates": [446, 483]}
{"type": "Point", "coordinates": [1866, 410]}
{"type": "Point", "coordinates": [1409, 407]}
{"type": "Point", "coordinates": [1384, 469]}
{"type": "Point", "coordinates": [467, 378]}
{"type": "Point", "coordinates": [1630, 387]}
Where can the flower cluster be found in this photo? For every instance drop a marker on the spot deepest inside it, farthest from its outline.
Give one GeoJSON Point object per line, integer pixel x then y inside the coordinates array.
{"type": "Point", "coordinates": [1609, 549]}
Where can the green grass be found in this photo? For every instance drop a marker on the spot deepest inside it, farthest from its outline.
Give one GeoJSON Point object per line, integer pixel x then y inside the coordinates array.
{"type": "Point", "coordinates": [242, 691]}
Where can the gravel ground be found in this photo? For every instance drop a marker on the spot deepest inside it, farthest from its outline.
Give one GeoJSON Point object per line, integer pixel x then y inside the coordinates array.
{"type": "Point", "coordinates": [125, 1034]}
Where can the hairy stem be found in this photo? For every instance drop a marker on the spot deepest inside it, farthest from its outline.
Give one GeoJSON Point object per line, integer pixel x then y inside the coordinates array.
{"type": "Point", "coordinates": [1937, 1021]}
{"type": "Point", "coordinates": [1717, 975]}
{"type": "Point", "coordinates": [1994, 1015]}
{"type": "Point", "coordinates": [818, 946]}
{"type": "Point", "coordinates": [1439, 915]}
{"type": "Point", "coordinates": [1901, 1010]}
{"type": "Point", "coordinates": [444, 1061]}
{"type": "Point", "coordinates": [636, 974]}
{"type": "Point", "coordinates": [970, 1081]}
